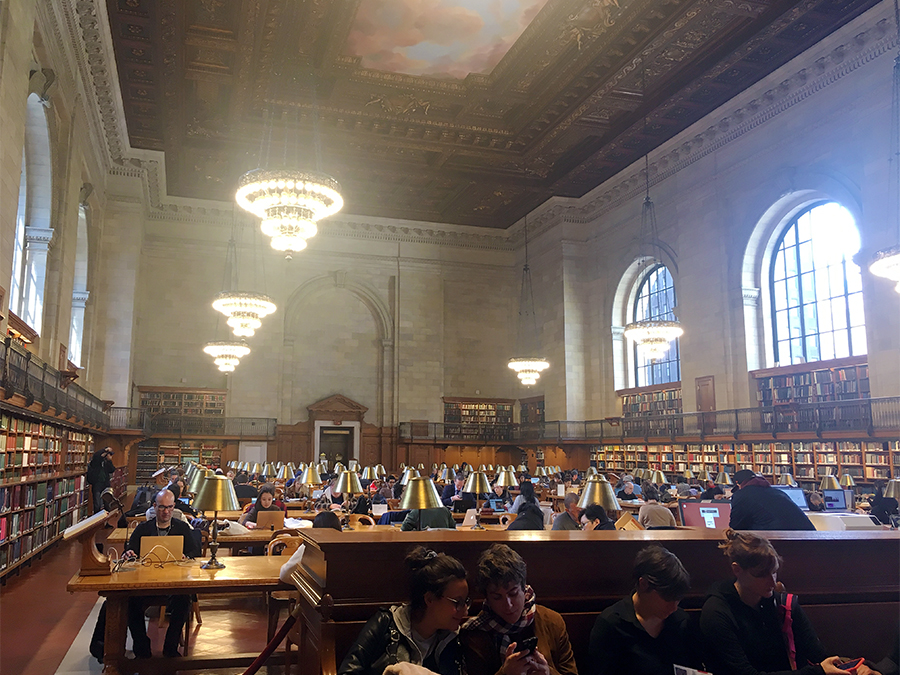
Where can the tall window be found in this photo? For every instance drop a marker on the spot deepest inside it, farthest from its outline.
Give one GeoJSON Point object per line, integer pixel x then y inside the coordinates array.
{"type": "Point", "coordinates": [79, 290]}
{"type": "Point", "coordinates": [656, 300]}
{"type": "Point", "coordinates": [817, 301]}
{"type": "Point", "coordinates": [17, 282]}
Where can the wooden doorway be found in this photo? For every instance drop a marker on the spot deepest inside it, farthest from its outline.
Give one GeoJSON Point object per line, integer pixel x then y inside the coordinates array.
{"type": "Point", "coordinates": [705, 387]}
{"type": "Point", "coordinates": [336, 444]}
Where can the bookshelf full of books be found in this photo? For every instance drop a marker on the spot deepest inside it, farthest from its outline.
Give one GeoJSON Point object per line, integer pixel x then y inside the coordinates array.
{"type": "Point", "coordinates": [153, 454]}
{"type": "Point", "coordinates": [647, 407]}
{"type": "Point", "coordinates": [808, 461]}
{"type": "Point", "coordinates": [42, 485]}
{"type": "Point", "coordinates": [817, 382]}
{"type": "Point", "coordinates": [183, 401]}
{"type": "Point", "coordinates": [466, 418]}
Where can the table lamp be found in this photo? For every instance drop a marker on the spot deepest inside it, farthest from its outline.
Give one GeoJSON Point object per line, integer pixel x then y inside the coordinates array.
{"type": "Point", "coordinates": [339, 468]}
{"type": "Point", "coordinates": [540, 472]}
{"type": "Point", "coordinates": [490, 468]}
{"type": "Point", "coordinates": [216, 494]}
{"type": "Point", "coordinates": [310, 478]}
{"type": "Point", "coordinates": [402, 467]}
{"type": "Point", "coordinates": [507, 479]}
{"type": "Point", "coordinates": [723, 479]}
{"type": "Point", "coordinates": [447, 475]}
{"type": "Point", "coordinates": [379, 468]}
{"type": "Point", "coordinates": [256, 468]}
{"type": "Point", "coordinates": [284, 474]}
{"type": "Point", "coordinates": [408, 475]}
{"type": "Point", "coordinates": [688, 475]}
{"type": "Point", "coordinates": [892, 489]}
{"type": "Point", "coordinates": [638, 473]}
{"type": "Point", "coordinates": [483, 467]}
{"type": "Point", "coordinates": [847, 481]}
{"type": "Point", "coordinates": [657, 477]}
{"type": "Point", "coordinates": [787, 479]}
{"type": "Point", "coordinates": [455, 468]}
{"type": "Point", "coordinates": [420, 467]}
{"type": "Point", "coordinates": [348, 483]}
{"type": "Point", "coordinates": [591, 471]}
{"type": "Point", "coordinates": [269, 470]}
{"type": "Point", "coordinates": [478, 484]}
{"type": "Point", "coordinates": [522, 468]}
{"type": "Point", "coordinates": [353, 465]}
{"type": "Point", "coordinates": [704, 475]}
{"type": "Point", "coordinates": [421, 493]}
{"type": "Point", "coordinates": [369, 473]}
{"type": "Point", "coordinates": [598, 490]}
{"type": "Point", "coordinates": [199, 476]}
{"type": "Point", "coordinates": [829, 482]}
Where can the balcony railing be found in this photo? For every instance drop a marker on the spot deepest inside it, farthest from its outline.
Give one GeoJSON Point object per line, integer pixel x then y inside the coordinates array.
{"type": "Point", "coordinates": [21, 372]}
{"type": "Point", "coordinates": [197, 425]}
{"type": "Point", "coordinates": [129, 418]}
{"type": "Point", "coordinates": [863, 415]}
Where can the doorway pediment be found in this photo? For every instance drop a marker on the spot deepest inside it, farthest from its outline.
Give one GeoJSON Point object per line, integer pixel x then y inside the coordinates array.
{"type": "Point", "coordinates": [337, 407]}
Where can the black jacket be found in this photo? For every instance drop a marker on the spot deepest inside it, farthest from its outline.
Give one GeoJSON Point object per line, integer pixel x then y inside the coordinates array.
{"type": "Point", "coordinates": [744, 640]}
{"type": "Point", "coordinates": [99, 470]}
{"type": "Point", "coordinates": [530, 518]}
{"type": "Point", "coordinates": [382, 643]}
{"type": "Point", "coordinates": [756, 507]}
{"type": "Point", "coordinates": [178, 527]}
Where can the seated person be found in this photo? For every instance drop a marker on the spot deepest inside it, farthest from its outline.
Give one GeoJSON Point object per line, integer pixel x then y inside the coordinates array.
{"type": "Point", "coordinates": [422, 519]}
{"type": "Point", "coordinates": [530, 517]}
{"type": "Point", "coordinates": [594, 517]}
{"type": "Point", "coordinates": [526, 496]}
{"type": "Point", "coordinates": [575, 479]}
{"type": "Point", "coordinates": [627, 493]}
{"type": "Point", "coordinates": [510, 614]}
{"type": "Point", "coordinates": [882, 507]}
{"type": "Point", "coordinates": [453, 496]}
{"type": "Point", "coordinates": [501, 493]}
{"type": "Point", "coordinates": [387, 490]}
{"type": "Point", "coordinates": [653, 514]}
{"type": "Point", "coordinates": [647, 633]}
{"type": "Point", "coordinates": [815, 501]}
{"type": "Point", "coordinates": [327, 519]}
{"type": "Point", "coordinates": [178, 605]}
{"type": "Point", "coordinates": [742, 618]}
{"type": "Point", "coordinates": [424, 631]}
{"type": "Point", "coordinates": [242, 487]}
{"type": "Point", "coordinates": [712, 491]}
{"type": "Point", "coordinates": [265, 502]}
{"type": "Point", "coordinates": [570, 519]}
{"type": "Point", "coordinates": [628, 478]}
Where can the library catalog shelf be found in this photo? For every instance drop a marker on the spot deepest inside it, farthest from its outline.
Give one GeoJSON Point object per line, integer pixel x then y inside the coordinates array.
{"type": "Point", "coordinates": [862, 415]}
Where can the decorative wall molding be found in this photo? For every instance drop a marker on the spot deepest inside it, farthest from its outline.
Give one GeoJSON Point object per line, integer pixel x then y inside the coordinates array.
{"type": "Point", "coordinates": [750, 296]}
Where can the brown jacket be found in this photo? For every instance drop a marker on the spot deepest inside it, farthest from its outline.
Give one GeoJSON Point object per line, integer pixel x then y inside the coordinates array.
{"type": "Point", "coordinates": [483, 655]}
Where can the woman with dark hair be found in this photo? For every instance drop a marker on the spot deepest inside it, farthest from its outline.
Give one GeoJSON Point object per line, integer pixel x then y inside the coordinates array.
{"type": "Point", "coordinates": [525, 496]}
{"type": "Point", "coordinates": [646, 633]}
{"type": "Point", "coordinates": [265, 502]}
{"type": "Point", "coordinates": [492, 639]}
{"type": "Point", "coordinates": [424, 631]}
{"type": "Point", "coordinates": [326, 520]}
{"type": "Point", "coordinates": [743, 619]}
{"type": "Point", "coordinates": [530, 517]}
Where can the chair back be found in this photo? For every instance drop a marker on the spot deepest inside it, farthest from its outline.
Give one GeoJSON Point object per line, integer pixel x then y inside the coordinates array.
{"type": "Point", "coordinates": [361, 519]}
{"type": "Point", "coordinates": [245, 501]}
{"type": "Point", "coordinates": [284, 544]}
{"type": "Point", "coordinates": [134, 521]}
{"type": "Point", "coordinates": [393, 504]}
{"type": "Point", "coordinates": [507, 518]}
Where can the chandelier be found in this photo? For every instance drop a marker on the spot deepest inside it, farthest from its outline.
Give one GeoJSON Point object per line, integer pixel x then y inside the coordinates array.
{"type": "Point", "coordinates": [290, 203]}
{"type": "Point", "coordinates": [886, 262]}
{"type": "Point", "coordinates": [227, 354]}
{"type": "Point", "coordinates": [654, 336]}
{"type": "Point", "coordinates": [528, 366]}
{"type": "Point", "coordinates": [245, 311]}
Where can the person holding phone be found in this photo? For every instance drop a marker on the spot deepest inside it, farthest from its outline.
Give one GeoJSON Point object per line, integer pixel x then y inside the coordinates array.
{"type": "Point", "coordinates": [512, 634]}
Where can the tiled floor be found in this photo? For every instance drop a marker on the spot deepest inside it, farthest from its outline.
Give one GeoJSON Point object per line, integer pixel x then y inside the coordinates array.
{"type": "Point", "coordinates": [45, 630]}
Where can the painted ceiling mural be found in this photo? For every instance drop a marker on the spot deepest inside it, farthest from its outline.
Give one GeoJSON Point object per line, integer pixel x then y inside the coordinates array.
{"type": "Point", "coordinates": [442, 38]}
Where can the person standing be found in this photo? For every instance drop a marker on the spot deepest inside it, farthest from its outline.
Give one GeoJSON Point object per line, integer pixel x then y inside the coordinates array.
{"type": "Point", "coordinates": [99, 471]}
{"type": "Point", "coordinates": [758, 506]}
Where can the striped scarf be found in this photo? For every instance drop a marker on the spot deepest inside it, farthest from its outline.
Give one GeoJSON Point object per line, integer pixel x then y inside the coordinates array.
{"type": "Point", "coordinates": [487, 621]}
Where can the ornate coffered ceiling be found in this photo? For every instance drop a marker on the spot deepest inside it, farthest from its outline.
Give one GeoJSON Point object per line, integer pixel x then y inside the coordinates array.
{"type": "Point", "coordinates": [587, 88]}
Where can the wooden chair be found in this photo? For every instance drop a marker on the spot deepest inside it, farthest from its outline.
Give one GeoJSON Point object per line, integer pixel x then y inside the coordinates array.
{"type": "Point", "coordinates": [507, 518]}
{"type": "Point", "coordinates": [284, 543]}
{"type": "Point", "coordinates": [393, 504]}
{"type": "Point", "coordinates": [244, 501]}
{"type": "Point", "coordinates": [357, 519]}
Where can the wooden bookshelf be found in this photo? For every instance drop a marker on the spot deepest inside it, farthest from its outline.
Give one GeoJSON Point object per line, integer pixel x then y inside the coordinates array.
{"type": "Point", "coordinates": [464, 417]}
{"type": "Point", "coordinates": [183, 401]}
{"type": "Point", "coordinates": [817, 382]}
{"type": "Point", "coordinates": [162, 452]}
{"type": "Point", "coordinates": [531, 410]}
{"type": "Point", "coordinates": [42, 485]}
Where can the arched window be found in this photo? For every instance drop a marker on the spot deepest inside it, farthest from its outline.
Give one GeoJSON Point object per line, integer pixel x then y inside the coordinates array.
{"type": "Point", "coordinates": [17, 282]}
{"type": "Point", "coordinates": [656, 301]}
{"type": "Point", "coordinates": [816, 288]}
{"type": "Point", "coordinates": [79, 288]}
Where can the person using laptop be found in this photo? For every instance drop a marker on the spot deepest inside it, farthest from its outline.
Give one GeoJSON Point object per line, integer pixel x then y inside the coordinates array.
{"type": "Point", "coordinates": [265, 502]}
{"type": "Point", "coordinates": [163, 525]}
{"type": "Point", "coordinates": [759, 506]}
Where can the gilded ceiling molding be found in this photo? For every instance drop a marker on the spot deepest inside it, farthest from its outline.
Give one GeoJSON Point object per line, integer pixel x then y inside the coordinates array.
{"type": "Point", "coordinates": [491, 240]}
{"type": "Point", "coordinates": [726, 125]}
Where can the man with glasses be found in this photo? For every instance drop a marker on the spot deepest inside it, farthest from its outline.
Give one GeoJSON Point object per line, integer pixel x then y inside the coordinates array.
{"type": "Point", "coordinates": [163, 525]}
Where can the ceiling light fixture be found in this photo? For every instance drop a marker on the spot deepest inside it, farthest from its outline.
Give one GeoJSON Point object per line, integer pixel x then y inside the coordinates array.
{"type": "Point", "coordinates": [227, 354]}
{"type": "Point", "coordinates": [528, 366]}
{"type": "Point", "coordinates": [886, 262]}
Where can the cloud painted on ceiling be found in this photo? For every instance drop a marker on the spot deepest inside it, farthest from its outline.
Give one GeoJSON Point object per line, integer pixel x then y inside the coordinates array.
{"type": "Point", "coordinates": [445, 38]}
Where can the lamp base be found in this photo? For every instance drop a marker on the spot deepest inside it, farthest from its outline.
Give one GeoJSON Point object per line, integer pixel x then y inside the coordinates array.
{"type": "Point", "coordinates": [212, 564]}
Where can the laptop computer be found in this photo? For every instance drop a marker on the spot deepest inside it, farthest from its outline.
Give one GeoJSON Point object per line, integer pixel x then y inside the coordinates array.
{"type": "Point", "coordinates": [837, 500]}
{"type": "Point", "coordinates": [270, 520]}
{"type": "Point", "coordinates": [163, 549]}
{"type": "Point", "coordinates": [469, 519]}
{"type": "Point", "coordinates": [712, 515]}
{"type": "Point", "coordinates": [379, 510]}
{"type": "Point", "coordinates": [796, 495]}
{"type": "Point", "coordinates": [496, 505]}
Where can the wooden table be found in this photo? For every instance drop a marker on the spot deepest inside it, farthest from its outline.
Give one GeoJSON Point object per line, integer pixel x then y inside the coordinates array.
{"type": "Point", "coordinates": [250, 574]}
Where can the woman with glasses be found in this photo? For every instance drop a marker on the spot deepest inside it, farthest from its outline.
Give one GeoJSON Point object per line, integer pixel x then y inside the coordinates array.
{"type": "Point", "coordinates": [647, 633]}
{"type": "Point", "coordinates": [494, 640]}
{"type": "Point", "coordinates": [423, 631]}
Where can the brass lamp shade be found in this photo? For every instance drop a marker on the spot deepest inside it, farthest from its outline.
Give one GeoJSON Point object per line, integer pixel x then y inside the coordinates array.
{"type": "Point", "coordinates": [446, 475]}
{"type": "Point", "coordinates": [598, 490]}
{"type": "Point", "coordinates": [456, 467]}
{"type": "Point", "coordinates": [434, 467]}
{"type": "Point", "coordinates": [522, 468]}
{"type": "Point", "coordinates": [322, 467]}
{"type": "Point", "coordinates": [506, 478]}
{"type": "Point", "coordinates": [829, 482]}
{"type": "Point", "coordinates": [482, 468]}
{"type": "Point", "coordinates": [847, 481]}
{"type": "Point", "coordinates": [284, 473]}
{"type": "Point", "coordinates": [704, 475]}
{"type": "Point", "coordinates": [379, 469]}
{"type": "Point", "coordinates": [339, 468]}
{"type": "Point", "coordinates": [408, 475]}
{"type": "Point", "coordinates": [353, 465]}
{"type": "Point", "coordinates": [197, 480]}
{"type": "Point", "coordinates": [723, 479]}
{"type": "Point", "coordinates": [216, 494]}
{"type": "Point", "coordinates": [256, 468]}
{"type": "Point", "coordinates": [369, 473]}
{"type": "Point", "coordinates": [310, 476]}
{"type": "Point", "coordinates": [269, 470]}
{"type": "Point", "coordinates": [688, 474]}
{"type": "Point", "coordinates": [421, 493]}
{"type": "Point", "coordinates": [787, 479]}
{"type": "Point", "coordinates": [638, 473]}
{"type": "Point", "coordinates": [892, 489]}
{"type": "Point", "coordinates": [658, 477]}
{"type": "Point", "coordinates": [540, 472]}
{"type": "Point", "coordinates": [477, 483]}
{"type": "Point", "coordinates": [348, 483]}
{"type": "Point", "coordinates": [591, 471]}
{"type": "Point", "coordinates": [402, 466]}
{"type": "Point", "coordinates": [421, 467]}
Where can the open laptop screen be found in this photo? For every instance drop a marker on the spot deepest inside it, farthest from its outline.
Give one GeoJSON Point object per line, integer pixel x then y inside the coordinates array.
{"type": "Point", "coordinates": [796, 495]}
{"type": "Point", "coordinates": [712, 515]}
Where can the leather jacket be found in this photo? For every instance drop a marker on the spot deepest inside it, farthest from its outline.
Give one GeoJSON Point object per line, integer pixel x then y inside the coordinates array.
{"type": "Point", "coordinates": [382, 642]}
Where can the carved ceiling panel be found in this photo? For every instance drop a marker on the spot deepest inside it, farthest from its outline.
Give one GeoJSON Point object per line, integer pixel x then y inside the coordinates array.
{"type": "Point", "coordinates": [585, 89]}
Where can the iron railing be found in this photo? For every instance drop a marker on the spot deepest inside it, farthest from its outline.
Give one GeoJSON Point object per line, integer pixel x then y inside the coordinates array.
{"type": "Point", "coordinates": [198, 425]}
{"type": "Point", "coordinates": [21, 372]}
{"type": "Point", "coordinates": [129, 418]}
{"type": "Point", "coordinates": [863, 415]}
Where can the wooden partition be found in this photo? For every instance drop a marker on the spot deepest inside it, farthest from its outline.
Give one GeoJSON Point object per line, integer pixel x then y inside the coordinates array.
{"type": "Point", "coordinates": [844, 579]}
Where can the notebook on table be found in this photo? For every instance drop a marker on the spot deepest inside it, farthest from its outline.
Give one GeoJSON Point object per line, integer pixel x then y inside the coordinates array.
{"type": "Point", "coordinates": [270, 520]}
{"type": "Point", "coordinates": [163, 549]}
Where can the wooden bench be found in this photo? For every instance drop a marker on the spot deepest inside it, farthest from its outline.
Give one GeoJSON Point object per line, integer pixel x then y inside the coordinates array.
{"type": "Point", "coordinates": [844, 579]}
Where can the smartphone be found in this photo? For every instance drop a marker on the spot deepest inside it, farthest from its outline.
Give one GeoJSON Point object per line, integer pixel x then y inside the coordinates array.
{"type": "Point", "coordinates": [852, 664]}
{"type": "Point", "coordinates": [527, 645]}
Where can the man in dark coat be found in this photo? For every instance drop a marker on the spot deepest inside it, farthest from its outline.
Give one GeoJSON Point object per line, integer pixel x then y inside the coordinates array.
{"type": "Point", "coordinates": [758, 506]}
{"type": "Point", "coordinates": [99, 471]}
